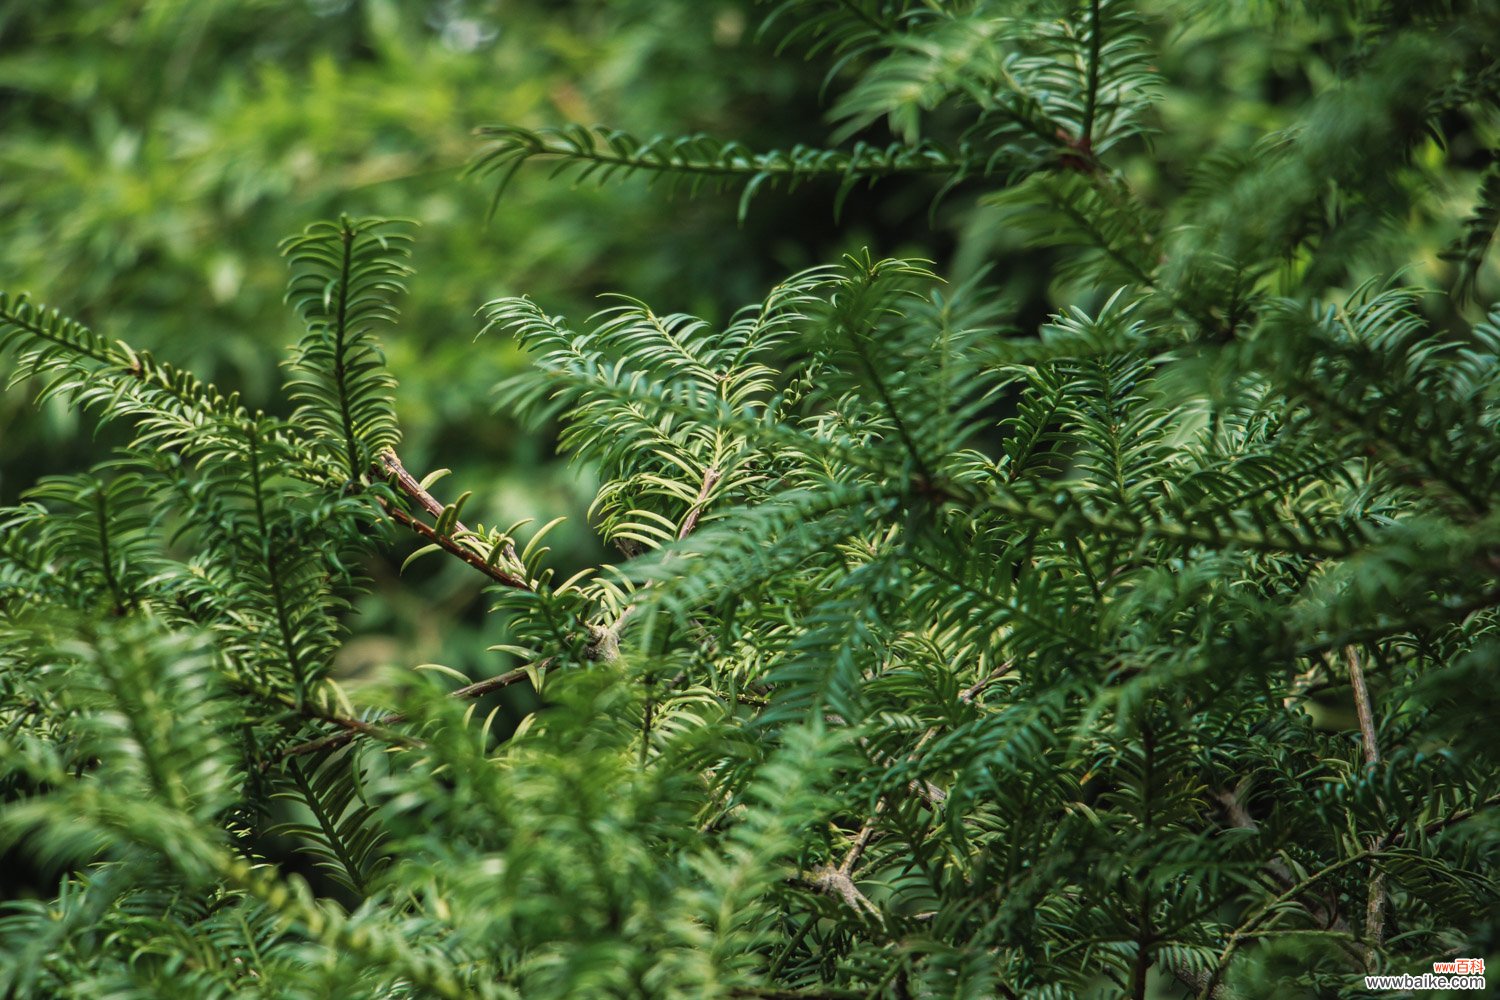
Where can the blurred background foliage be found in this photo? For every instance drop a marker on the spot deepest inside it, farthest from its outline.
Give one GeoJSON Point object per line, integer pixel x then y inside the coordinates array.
{"type": "Point", "coordinates": [154, 152]}
{"type": "Point", "coordinates": [152, 155]}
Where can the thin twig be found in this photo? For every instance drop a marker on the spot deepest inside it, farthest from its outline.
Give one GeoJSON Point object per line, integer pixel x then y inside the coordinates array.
{"type": "Point", "coordinates": [608, 638]}
{"type": "Point", "coordinates": [1196, 980]}
{"type": "Point", "coordinates": [354, 728]}
{"type": "Point", "coordinates": [1362, 706]}
{"type": "Point", "coordinates": [390, 464]}
{"type": "Point", "coordinates": [839, 881]}
{"type": "Point", "coordinates": [711, 477]}
{"type": "Point", "coordinates": [451, 545]}
{"type": "Point", "coordinates": [866, 832]}
{"type": "Point", "coordinates": [408, 484]}
{"type": "Point", "coordinates": [1380, 846]}
{"type": "Point", "coordinates": [1324, 912]}
{"type": "Point", "coordinates": [1247, 929]}
{"type": "Point", "coordinates": [603, 640]}
{"type": "Point", "coordinates": [481, 688]}
{"type": "Point", "coordinates": [1269, 909]}
{"type": "Point", "coordinates": [862, 839]}
{"type": "Point", "coordinates": [351, 728]}
{"type": "Point", "coordinates": [1398, 838]}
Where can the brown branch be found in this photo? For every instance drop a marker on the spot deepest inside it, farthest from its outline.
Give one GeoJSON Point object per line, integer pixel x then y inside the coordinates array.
{"type": "Point", "coordinates": [354, 728]}
{"type": "Point", "coordinates": [865, 835]}
{"type": "Point", "coordinates": [968, 694]}
{"type": "Point", "coordinates": [1210, 985]}
{"type": "Point", "coordinates": [379, 729]}
{"type": "Point", "coordinates": [1381, 845]}
{"type": "Point", "coordinates": [840, 881]}
{"type": "Point", "coordinates": [1269, 910]}
{"type": "Point", "coordinates": [390, 464]}
{"type": "Point", "coordinates": [1362, 705]}
{"type": "Point", "coordinates": [1324, 912]}
{"type": "Point", "coordinates": [1364, 708]}
{"type": "Point", "coordinates": [1439, 825]}
{"type": "Point", "coordinates": [603, 641]}
{"type": "Point", "coordinates": [1365, 712]}
{"type": "Point", "coordinates": [933, 795]}
{"type": "Point", "coordinates": [451, 545]}
{"type": "Point", "coordinates": [711, 477]}
{"type": "Point", "coordinates": [1199, 983]}
{"type": "Point", "coordinates": [836, 882]}
{"type": "Point", "coordinates": [408, 484]}
{"type": "Point", "coordinates": [1239, 817]}
{"type": "Point", "coordinates": [481, 688]}
{"type": "Point", "coordinates": [608, 636]}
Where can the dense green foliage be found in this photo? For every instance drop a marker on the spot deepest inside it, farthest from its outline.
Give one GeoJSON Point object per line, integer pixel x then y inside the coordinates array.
{"type": "Point", "coordinates": [153, 155]}
{"type": "Point", "coordinates": [1145, 650]}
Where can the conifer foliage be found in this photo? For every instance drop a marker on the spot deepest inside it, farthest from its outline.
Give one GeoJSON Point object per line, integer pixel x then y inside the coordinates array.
{"type": "Point", "coordinates": [1145, 653]}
